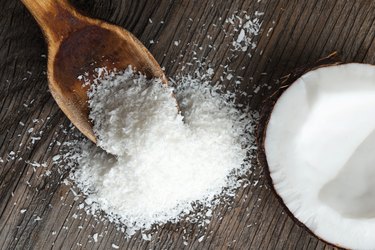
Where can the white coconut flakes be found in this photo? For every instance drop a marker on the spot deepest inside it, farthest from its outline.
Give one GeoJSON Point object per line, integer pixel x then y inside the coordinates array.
{"type": "Point", "coordinates": [160, 161]}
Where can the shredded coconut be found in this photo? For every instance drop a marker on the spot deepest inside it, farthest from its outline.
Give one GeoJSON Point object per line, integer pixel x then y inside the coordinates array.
{"type": "Point", "coordinates": [247, 27]}
{"type": "Point", "coordinates": [160, 162]}
{"type": "Point", "coordinates": [95, 237]}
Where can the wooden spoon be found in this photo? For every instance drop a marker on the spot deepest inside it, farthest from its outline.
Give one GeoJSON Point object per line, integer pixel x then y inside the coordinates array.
{"type": "Point", "coordinates": [78, 44]}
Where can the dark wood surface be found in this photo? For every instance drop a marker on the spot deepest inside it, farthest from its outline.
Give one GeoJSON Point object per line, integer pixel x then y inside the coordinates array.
{"type": "Point", "coordinates": [37, 211]}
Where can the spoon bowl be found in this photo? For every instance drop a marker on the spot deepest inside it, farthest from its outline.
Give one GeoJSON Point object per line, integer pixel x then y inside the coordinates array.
{"type": "Point", "coordinates": [78, 45]}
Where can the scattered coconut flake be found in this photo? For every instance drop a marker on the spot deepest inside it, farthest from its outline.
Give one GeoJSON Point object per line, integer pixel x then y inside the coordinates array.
{"type": "Point", "coordinates": [37, 218]}
{"type": "Point", "coordinates": [56, 158]}
{"type": "Point", "coordinates": [115, 246]}
{"type": "Point", "coordinates": [35, 138]}
{"type": "Point", "coordinates": [241, 36]}
{"type": "Point", "coordinates": [95, 237]}
{"type": "Point", "coordinates": [146, 237]}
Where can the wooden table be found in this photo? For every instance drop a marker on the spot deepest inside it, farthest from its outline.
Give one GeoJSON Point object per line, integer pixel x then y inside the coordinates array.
{"type": "Point", "coordinates": [38, 211]}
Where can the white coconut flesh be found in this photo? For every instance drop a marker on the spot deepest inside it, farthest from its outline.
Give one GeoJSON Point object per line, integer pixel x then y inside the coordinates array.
{"type": "Point", "coordinates": [320, 149]}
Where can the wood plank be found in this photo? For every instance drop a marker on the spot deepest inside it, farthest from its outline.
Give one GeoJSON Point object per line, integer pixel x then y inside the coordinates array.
{"type": "Point", "coordinates": [293, 33]}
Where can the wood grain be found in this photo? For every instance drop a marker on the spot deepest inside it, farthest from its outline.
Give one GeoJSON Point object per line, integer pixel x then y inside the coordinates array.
{"type": "Point", "coordinates": [294, 33]}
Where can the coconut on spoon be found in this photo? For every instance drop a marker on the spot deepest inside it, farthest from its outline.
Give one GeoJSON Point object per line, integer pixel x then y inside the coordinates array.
{"type": "Point", "coordinates": [316, 140]}
{"type": "Point", "coordinates": [78, 44]}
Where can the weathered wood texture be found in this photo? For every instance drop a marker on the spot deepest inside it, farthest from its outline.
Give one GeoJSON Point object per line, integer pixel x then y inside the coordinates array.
{"type": "Point", "coordinates": [294, 32]}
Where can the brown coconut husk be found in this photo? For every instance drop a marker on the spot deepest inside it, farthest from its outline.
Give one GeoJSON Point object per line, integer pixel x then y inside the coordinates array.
{"type": "Point", "coordinates": [268, 105]}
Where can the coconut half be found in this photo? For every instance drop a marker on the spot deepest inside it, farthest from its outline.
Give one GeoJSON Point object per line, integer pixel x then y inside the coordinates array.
{"type": "Point", "coordinates": [319, 146]}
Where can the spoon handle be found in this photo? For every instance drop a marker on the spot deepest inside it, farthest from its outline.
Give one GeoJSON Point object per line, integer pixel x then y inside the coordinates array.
{"type": "Point", "coordinates": [57, 18]}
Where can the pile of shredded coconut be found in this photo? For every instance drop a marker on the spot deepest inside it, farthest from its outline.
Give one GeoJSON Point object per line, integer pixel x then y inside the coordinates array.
{"type": "Point", "coordinates": [160, 159]}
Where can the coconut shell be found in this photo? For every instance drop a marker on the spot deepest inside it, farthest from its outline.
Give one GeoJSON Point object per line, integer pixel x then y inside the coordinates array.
{"type": "Point", "coordinates": [268, 105]}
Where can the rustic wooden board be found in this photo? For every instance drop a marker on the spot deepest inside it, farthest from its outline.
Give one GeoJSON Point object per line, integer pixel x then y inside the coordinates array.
{"type": "Point", "coordinates": [294, 32]}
